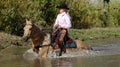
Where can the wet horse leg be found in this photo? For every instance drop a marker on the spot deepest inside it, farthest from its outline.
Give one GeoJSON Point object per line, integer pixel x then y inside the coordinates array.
{"type": "Point", "coordinates": [36, 49]}
{"type": "Point", "coordinates": [62, 48]}
{"type": "Point", "coordinates": [61, 42]}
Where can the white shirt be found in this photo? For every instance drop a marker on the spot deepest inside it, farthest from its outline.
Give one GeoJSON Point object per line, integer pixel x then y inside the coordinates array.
{"type": "Point", "coordinates": [63, 20]}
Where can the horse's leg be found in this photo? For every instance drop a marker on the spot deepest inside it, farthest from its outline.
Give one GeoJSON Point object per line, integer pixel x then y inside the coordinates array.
{"type": "Point", "coordinates": [64, 48]}
{"type": "Point", "coordinates": [61, 48]}
{"type": "Point", "coordinates": [61, 41]}
{"type": "Point", "coordinates": [36, 50]}
{"type": "Point", "coordinates": [60, 54]}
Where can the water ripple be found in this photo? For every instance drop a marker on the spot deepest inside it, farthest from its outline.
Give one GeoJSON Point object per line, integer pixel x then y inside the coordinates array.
{"type": "Point", "coordinates": [97, 51]}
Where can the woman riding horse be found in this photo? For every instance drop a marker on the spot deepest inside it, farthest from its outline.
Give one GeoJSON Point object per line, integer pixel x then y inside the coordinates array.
{"type": "Point", "coordinates": [62, 24]}
{"type": "Point", "coordinates": [41, 42]}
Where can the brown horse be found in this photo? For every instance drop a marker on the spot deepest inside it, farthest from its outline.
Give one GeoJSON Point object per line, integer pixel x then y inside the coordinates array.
{"type": "Point", "coordinates": [41, 41]}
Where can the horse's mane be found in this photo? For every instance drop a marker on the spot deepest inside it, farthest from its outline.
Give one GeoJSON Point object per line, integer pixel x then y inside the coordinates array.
{"type": "Point", "coordinates": [38, 30]}
{"type": "Point", "coordinates": [43, 38]}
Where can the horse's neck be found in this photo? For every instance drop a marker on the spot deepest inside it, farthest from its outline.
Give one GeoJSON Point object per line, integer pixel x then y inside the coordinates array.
{"type": "Point", "coordinates": [39, 33]}
{"type": "Point", "coordinates": [38, 37]}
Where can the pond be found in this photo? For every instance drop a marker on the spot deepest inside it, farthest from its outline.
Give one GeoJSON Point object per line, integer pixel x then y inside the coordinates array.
{"type": "Point", "coordinates": [105, 55]}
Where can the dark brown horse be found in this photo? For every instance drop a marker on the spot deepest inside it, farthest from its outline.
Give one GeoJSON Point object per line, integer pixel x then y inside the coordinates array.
{"type": "Point", "coordinates": [41, 41]}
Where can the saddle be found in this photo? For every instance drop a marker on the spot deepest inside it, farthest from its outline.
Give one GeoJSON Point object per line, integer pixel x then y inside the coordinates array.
{"type": "Point", "coordinates": [67, 39]}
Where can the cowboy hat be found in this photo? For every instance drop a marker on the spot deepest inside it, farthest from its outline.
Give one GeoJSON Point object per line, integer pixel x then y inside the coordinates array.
{"type": "Point", "coordinates": [62, 6]}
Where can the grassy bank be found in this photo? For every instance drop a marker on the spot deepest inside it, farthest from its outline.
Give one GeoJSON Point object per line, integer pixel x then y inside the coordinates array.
{"type": "Point", "coordinates": [7, 40]}
{"type": "Point", "coordinates": [82, 34]}
{"type": "Point", "coordinates": [95, 33]}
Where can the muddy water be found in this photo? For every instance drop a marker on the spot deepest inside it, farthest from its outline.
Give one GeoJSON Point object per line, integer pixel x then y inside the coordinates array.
{"type": "Point", "coordinates": [101, 61]}
{"type": "Point", "coordinates": [105, 54]}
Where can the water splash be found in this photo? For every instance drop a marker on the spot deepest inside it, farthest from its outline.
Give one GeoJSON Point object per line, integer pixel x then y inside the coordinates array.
{"type": "Point", "coordinates": [98, 51]}
{"type": "Point", "coordinates": [30, 55]}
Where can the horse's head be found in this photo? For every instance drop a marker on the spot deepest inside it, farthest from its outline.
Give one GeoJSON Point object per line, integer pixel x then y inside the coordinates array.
{"type": "Point", "coordinates": [27, 30]}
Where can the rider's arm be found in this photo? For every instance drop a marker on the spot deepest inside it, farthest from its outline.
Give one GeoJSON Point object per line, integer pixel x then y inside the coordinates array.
{"type": "Point", "coordinates": [67, 24]}
{"type": "Point", "coordinates": [56, 23]}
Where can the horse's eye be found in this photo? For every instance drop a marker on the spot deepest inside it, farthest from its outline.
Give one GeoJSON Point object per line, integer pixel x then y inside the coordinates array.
{"type": "Point", "coordinates": [30, 29]}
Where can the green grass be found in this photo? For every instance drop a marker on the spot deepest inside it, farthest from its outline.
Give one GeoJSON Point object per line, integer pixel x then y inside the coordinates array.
{"type": "Point", "coordinates": [7, 40]}
{"type": "Point", "coordinates": [95, 33]}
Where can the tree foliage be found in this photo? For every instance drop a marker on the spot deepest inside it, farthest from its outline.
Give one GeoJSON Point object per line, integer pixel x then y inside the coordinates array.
{"type": "Point", "coordinates": [43, 13]}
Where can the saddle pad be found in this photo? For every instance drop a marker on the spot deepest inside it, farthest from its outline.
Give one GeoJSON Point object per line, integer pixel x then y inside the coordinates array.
{"type": "Point", "coordinates": [71, 45]}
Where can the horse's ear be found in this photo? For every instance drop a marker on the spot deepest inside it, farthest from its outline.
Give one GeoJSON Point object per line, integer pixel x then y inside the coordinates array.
{"type": "Point", "coordinates": [29, 21]}
{"type": "Point", "coordinates": [26, 20]}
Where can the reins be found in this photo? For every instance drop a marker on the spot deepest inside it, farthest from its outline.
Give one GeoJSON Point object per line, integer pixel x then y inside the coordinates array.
{"type": "Point", "coordinates": [40, 46]}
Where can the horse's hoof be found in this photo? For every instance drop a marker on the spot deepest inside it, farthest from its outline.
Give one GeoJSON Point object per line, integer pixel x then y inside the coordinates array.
{"type": "Point", "coordinates": [91, 48]}
{"type": "Point", "coordinates": [64, 51]}
{"type": "Point", "coordinates": [60, 54]}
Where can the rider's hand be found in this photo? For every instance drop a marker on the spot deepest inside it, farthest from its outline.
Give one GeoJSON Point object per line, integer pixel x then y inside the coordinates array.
{"type": "Point", "coordinates": [53, 31]}
{"type": "Point", "coordinates": [59, 27]}
{"type": "Point", "coordinates": [55, 27]}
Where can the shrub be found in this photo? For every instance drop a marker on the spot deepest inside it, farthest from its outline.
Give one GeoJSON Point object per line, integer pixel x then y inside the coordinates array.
{"type": "Point", "coordinates": [43, 13]}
